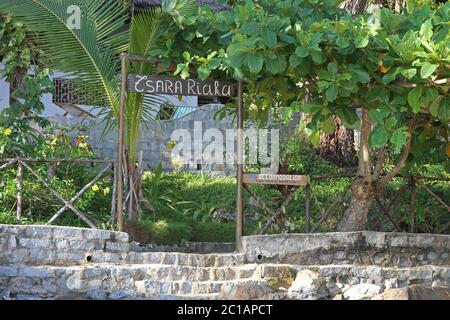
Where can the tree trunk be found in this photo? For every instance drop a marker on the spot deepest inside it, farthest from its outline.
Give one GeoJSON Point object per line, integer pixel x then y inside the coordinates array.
{"type": "Point", "coordinates": [355, 216]}
{"type": "Point", "coordinates": [339, 147]}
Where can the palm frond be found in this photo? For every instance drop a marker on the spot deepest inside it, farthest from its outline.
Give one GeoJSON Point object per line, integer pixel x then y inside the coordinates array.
{"type": "Point", "coordinates": [84, 53]}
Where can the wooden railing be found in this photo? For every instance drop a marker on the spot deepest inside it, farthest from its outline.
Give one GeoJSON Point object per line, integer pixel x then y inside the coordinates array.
{"type": "Point", "coordinates": [26, 164]}
{"type": "Point", "coordinates": [413, 182]}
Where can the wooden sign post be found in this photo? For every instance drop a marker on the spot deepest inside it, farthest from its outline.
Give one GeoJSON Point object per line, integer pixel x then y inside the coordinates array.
{"type": "Point", "coordinates": [151, 84]}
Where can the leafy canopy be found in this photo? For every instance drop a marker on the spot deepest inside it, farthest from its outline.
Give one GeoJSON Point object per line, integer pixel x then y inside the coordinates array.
{"type": "Point", "coordinates": [395, 65]}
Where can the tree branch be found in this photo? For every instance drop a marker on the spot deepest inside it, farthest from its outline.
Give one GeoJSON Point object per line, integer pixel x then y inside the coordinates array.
{"type": "Point", "coordinates": [404, 155]}
{"type": "Point", "coordinates": [380, 163]}
{"type": "Point", "coordinates": [364, 165]}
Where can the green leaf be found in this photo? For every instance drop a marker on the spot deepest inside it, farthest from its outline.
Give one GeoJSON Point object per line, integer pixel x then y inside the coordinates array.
{"type": "Point", "coordinates": [359, 75]}
{"type": "Point", "coordinates": [250, 27]}
{"type": "Point", "coordinates": [294, 61]}
{"type": "Point", "coordinates": [203, 72]}
{"type": "Point", "coordinates": [427, 69]}
{"type": "Point", "coordinates": [332, 68]}
{"type": "Point", "coordinates": [269, 37]}
{"type": "Point", "coordinates": [342, 42]}
{"type": "Point", "coordinates": [409, 73]}
{"type": "Point", "coordinates": [444, 109]}
{"type": "Point", "coordinates": [378, 137]}
{"type": "Point", "coordinates": [390, 122]}
{"type": "Point", "coordinates": [331, 92]}
{"type": "Point", "coordinates": [328, 126]}
{"type": "Point", "coordinates": [348, 116]}
{"type": "Point", "coordinates": [414, 99]}
{"type": "Point", "coordinates": [255, 62]}
{"type": "Point", "coordinates": [311, 107]}
{"type": "Point", "coordinates": [287, 114]}
{"type": "Point", "coordinates": [378, 115]}
{"type": "Point", "coordinates": [302, 52]}
{"type": "Point", "coordinates": [315, 139]}
{"type": "Point", "coordinates": [426, 30]}
{"type": "Point", "coordinates": [361, 41]}
{"type": "Point", "coordinates": [399, 138]}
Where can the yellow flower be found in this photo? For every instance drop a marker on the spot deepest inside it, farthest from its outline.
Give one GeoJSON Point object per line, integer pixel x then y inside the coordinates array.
{"type": "Point", "coordinates": [95, 188]}
{"type": "Point", "coordinates": [7, 132]}
{"type": "Point", "coordinates": [106, 191]}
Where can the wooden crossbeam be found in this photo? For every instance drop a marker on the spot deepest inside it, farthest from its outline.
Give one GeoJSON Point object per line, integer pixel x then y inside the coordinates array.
{"type": "Point", "coordinates": [66, 203]}
{"type": "Point", "coordinates": [433, 194]}
{"type": "Point", "coordinates": [79, 194]}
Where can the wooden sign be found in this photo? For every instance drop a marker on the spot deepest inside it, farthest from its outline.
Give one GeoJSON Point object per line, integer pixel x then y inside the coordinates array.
{"type": "Point", "coordinates": [180, 87]}
{"type": "Point", "coordinates": [276, 179]}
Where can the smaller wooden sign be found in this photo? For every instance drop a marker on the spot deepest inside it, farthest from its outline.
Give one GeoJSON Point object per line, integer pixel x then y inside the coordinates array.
{"type": "Point", "coordinates": [276, 179]}
{"type": "Point", "coordinates": [180, 87]}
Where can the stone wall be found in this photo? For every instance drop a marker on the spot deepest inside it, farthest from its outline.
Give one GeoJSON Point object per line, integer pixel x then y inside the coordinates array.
{"type": "Point", "coordinates": [156, 134]}
{"type": "Point", "coordinates": [50, 262]}
{"type": "Point", "coordinates": [361, 248]}
{"type": "Point", "coordinates": [51, 245]}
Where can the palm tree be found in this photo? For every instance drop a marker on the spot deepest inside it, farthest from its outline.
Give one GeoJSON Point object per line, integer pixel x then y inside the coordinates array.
{"type": "Point", "coordinates": [90, 53]}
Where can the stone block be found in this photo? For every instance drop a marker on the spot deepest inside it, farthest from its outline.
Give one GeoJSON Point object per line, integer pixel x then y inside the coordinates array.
{"type": "Point", "coordinates": [8, 271]}
{"type": "Point", "coordinates": [35, 243]}
{"type": "Point", "coordinates": [39, 232]}
{"type": "Point", "coordinates": [114, 246]}
{"type": "Point", "coordinates": [39, 272]}
{"type": "Point", "coordinates": [95, 234]}
{"type": "Point", "coordinates": [68, 233]}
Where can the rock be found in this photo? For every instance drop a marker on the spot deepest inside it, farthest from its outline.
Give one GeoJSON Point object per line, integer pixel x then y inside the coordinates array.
{"type": "Point", "coordinates": [361, 291]}
{"type": "Point", "coordinates": [5, 295]}
{"type": "Point", "coordinates": [246, 291]}
{"type": "Point", "coordinates": [393, 294]}
{"type": "Point", "coordinates": [306, 281]}
{"type": "Point", "coordinates": [338, 297]}
{"type": "Point", "coordinates": [417, 292]}
{"type": "Point", "coordinates": [97, 294]}
{"type": "Point", "coordinates": [136, 247]}
{"type": "Point", "coordinates": [123, 295]}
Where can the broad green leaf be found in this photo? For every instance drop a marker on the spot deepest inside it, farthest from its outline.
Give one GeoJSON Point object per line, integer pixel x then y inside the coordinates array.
{"type": "Point", "coordinates": [342, 42]}
{"type": "Point", "coordinates": [378, 137]}
{"type": "Point", "coordinates": [409, 73]}
{"type": "Point", "coordinates": [444, 109]}
{"type": "Point", "coordinates": [203, 72]}
{"type": "Point", "coordinates": [427, 69]}
{"type": "Point", "coordinates": [294, 61]}
{"type": "Point", "coordinates": [332, 68]}
{"type": "Point", "coordinates": [255, 62]}
{"type": "Point", "coordinates": [399, 138]}
{"type": "Point", "coordinates": [361, 41]}
{"type": "Point", "coordinates": [269, 37]}
{"type": "Point", "coordinates": [348, 116]}
{"type": "Point", "coordinates": [359, 75]}
{"type": "Point", "coordinates": [414, 99]}
{"type": "Point", "coordinates": [378, 115]}
{"type": "Point", "coordinates": [302, 52]}
{"type": "Point", "coordinates": [250, 27]}
{"type": "Point", "coordinates": [287, 114]}
{"type": "Point", "coordinates": [331, 92]}
{"type": "Point", "coordinates": [426, 30]}
{"type": "Point", "coordinates": [311, 107]}
{"type": "Point", "coordinates": [315, 139]}
{"type": "Point", "coordinates": [390, 122]}
{"type": "Point", "coordinates": [328, 126]}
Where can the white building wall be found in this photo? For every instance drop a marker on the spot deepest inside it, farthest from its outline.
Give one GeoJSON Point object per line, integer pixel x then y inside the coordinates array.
{"type": "Point", "coordinates": [53, 111]}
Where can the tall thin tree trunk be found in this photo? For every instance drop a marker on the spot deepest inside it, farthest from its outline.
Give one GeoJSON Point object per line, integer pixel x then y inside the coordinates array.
{"type": "Point", "coordinates": [355, 216]}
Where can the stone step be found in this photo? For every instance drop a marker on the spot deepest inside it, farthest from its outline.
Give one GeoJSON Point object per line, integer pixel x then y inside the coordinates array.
{"type": "Point", "coordinates": [210, 296]}
{"type": "Point", "coordinates": [153, 287]}
{"type": "Point", "coordinates": [187, 259]}
{"type": "Point", "coordinates": [187, 273]}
